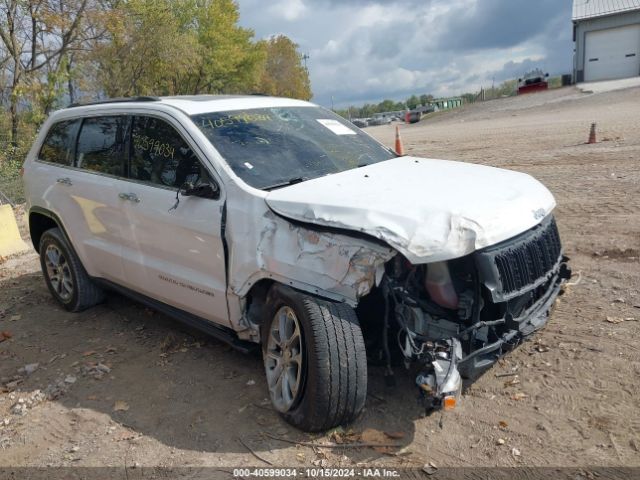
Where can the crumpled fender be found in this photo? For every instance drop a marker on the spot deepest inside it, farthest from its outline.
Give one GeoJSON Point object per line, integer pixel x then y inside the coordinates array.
{"type": "Point", "coordinates": [323, 262]}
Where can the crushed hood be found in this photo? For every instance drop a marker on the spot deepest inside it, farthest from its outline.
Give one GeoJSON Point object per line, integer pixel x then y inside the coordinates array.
{"type": "Point", "coordinates": [428, 210]}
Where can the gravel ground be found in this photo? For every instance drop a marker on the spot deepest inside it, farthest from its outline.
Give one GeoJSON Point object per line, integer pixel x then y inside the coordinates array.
{"type": "Point", "coordinates": [121, 385]}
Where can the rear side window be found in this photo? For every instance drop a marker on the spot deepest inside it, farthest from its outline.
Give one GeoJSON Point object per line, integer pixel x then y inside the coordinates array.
{"type": "Point", "coordinates": [159, 155]}
{"type": "Point", "coordinates": [58, 145]}
{"type": "Point", "coordinates": [101, 145]}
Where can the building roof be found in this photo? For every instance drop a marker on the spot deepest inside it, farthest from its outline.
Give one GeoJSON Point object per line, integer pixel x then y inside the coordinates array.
{"type": "Point", "coordinates": [583, 9]}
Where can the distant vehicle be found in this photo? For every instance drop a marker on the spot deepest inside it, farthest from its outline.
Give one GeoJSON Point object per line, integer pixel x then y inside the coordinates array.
{"type": "Point", "coordinates": [415, 115]}
{"type": "Point", "coordinates": [360, 122]}
{"type": "Point", "coordinates": [380, 121]}
{"type": "Point", "coordinates": [533, 81]}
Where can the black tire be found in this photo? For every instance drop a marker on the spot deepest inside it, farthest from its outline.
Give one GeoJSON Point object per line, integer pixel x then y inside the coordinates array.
{"type": "Point", "coordinates": [83, 293]}
{"type": "Point", "coordinates": [334, 368]}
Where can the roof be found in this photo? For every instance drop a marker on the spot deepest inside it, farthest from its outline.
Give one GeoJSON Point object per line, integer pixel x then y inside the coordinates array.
{"type": "Point", "coordinates": [584, 9]}
{"type": "Point", "coordinates": [196, 104]}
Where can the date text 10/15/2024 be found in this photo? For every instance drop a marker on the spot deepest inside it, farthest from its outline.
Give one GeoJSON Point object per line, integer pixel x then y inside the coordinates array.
{"type": "Point", "coordinates": [317, 472]}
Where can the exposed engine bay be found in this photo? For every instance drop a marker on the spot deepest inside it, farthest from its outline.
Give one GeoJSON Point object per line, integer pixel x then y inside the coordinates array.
{"type": "Point", "coordinates": [452, 320]}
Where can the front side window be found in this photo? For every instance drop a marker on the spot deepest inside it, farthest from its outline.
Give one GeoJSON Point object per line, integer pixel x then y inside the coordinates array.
{"type": "Point", "coordinates": [272, 147]}
{"type": "Point", "coordinates": [101, 145]}
{"type": "Point", "coordinates": [159, 155]}
{"type": "Point", "coordinates": [58, 145]}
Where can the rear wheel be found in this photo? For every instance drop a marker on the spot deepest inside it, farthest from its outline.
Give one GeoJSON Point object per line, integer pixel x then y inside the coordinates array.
{"type": "Point", "coordinates": [65, 276]}
{"type": "Point", "coordinates": [315, 360]}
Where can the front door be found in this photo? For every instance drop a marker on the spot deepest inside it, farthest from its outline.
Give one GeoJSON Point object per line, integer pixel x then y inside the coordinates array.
{"type": "Point", "coordinates": [172, 253]}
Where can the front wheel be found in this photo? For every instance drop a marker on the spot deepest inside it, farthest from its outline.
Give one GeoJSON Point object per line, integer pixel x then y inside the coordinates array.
{"type": "Point", "coordinates": [315, 360]}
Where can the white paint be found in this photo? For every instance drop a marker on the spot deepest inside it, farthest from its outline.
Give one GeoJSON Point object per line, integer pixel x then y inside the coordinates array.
{"type": "Point", "coordinates": [612, 53]}
{"type": "Point", "coordinates": [222, 103]}
{"type": "Point", "coordinates": [429, 210]}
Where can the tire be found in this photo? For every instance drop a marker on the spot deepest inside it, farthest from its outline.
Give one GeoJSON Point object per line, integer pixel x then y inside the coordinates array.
{"type": "Point", "coordinates": [64, 275]}
{"type": "Point", "coordinates": [332, 373]}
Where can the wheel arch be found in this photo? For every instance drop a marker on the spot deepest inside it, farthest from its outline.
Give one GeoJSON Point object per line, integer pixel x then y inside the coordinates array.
{"type": "Point", "coordinates": [41, 220]}
{"type": "Point", "coordinates": [256, 299]}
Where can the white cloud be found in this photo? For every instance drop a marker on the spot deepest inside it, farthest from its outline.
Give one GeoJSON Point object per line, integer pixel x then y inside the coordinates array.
{"type": "Point", "coordinates": [368, 50]}
{"type": "Point", "coordinates": [288, 10]}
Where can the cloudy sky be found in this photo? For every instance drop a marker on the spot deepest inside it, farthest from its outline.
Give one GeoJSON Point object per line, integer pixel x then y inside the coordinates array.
{"type": "Point", "coordinates": [368, 50]}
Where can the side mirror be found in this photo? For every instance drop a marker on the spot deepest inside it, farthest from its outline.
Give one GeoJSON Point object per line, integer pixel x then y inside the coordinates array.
{"type": "Point", "coordinates": [546, 74]}
{"type": "Point", "coordinates": [202, 190]}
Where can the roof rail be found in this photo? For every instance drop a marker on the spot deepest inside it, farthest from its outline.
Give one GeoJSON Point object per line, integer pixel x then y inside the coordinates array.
{"type": "Point", "coordinates": [117, 100]}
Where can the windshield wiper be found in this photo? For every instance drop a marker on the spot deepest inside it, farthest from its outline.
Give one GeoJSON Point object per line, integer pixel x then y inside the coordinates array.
{"type": "Point", "coordinates": [286, 183]}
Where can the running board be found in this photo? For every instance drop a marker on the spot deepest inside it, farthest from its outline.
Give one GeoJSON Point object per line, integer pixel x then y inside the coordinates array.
{"type": "Point", "coordinates": [207, 327]}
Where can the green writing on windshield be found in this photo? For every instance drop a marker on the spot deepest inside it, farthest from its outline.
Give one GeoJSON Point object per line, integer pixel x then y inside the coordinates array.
{"type": "Point", "coordinates": [243, 118]}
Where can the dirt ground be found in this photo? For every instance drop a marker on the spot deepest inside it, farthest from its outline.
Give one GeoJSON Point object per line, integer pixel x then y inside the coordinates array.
{"type": "Point", "coordinates": [120, 385]}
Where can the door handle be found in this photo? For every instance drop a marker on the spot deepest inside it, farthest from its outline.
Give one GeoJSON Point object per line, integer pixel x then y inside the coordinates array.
{"type": "Point", "coordinates": [64, 181]}
{"type": "Point", "coordinates": [132, 197]}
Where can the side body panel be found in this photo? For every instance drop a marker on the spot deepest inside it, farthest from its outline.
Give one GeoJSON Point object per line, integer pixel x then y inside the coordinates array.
{"type": "Point", "coordinates": [88, 207]}
{"type": "Point", "coordinates": [175, 256]}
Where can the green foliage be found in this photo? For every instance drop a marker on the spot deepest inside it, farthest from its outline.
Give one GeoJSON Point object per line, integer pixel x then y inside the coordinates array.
{"type": "Point", "coordinates": [412, 102]}
{"type": "Point", "coordinates": [11, 160]}
{"type": "Point", "coordinates": [115, 48]}
{"type": "Point", "coordinates": [283, 73]}
{"type": "Point", "coordinates": [177, 47]}
{"type": "Point", "coordinates": [555, 82]}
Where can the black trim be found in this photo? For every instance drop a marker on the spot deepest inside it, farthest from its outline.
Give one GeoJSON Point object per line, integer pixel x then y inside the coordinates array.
{"type": "Point", "coordinates": [223, 334]}
{"type": "Point", "coordinates": [530, 321]}
{"type": "Point", "coordinates": [522, 263]}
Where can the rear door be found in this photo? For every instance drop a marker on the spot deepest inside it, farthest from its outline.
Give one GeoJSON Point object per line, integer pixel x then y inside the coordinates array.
{"type": "Point", "coordinates": [172, 251]}
{"type": "Point", "coordinates": [82, 160]}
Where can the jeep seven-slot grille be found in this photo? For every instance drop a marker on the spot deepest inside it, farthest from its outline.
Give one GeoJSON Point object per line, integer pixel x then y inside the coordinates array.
{"type": "Point", "coordinates": [528, 260]}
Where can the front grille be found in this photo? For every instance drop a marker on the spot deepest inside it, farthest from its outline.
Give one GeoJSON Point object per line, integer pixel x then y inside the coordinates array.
{"type": "Point", "coordinates": [526, 261]}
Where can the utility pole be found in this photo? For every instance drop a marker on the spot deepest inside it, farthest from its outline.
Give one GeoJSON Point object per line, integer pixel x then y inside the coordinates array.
{"type": "Point", "coordinates": [305, 57]}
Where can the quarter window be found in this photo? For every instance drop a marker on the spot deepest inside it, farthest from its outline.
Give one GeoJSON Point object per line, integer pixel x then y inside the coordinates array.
{"type": "Point", "coordinates": [58, 145]}
{"type": "Point", "coordinates": [101, 145]}
{"type": "Point", "coordinates": [161, 156]}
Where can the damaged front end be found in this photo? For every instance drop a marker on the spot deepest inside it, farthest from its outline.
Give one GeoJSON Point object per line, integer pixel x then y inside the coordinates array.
{"type": "Point", "coordinates": [456, 318]}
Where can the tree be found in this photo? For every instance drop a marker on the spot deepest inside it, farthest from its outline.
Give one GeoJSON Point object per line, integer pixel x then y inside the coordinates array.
{"type": "Point", "coordinates": [174, 47]}
{"type": "Point", "coordinates": [283, 72]}
{"type": "Point", "coordinates": [36, 36]}
{"type": "Point", "coordinates": [426, 99]}
{"type": "Point", "coordinates": [229, 59]}
{"type": "Point", "coordinates": [412, 102]}
{"type": "Point", "coordinates": [386, 106]}
{"type": "Point", "coordinates": [144, 47]}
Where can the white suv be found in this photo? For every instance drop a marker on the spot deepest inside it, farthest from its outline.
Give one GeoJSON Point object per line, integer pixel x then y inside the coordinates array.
{"type": "Point", "coordinates": [273, 221]}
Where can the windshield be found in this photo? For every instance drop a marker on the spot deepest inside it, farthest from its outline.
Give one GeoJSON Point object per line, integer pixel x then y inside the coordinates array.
{"type": "Point", "coordinates": [274, 147]}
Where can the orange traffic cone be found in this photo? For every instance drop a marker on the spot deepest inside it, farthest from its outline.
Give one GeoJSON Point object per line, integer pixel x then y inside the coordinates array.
{"type": "Point", "coordinates": [592, 134]}
{"type": "Point", "coordinates": [399, 148]}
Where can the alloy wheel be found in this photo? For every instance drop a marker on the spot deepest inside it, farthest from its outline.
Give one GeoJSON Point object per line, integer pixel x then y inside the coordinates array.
{"type": "Point", "coordinates": [283, 359]}
{"type": "Point", "coordinates": [59, 272]}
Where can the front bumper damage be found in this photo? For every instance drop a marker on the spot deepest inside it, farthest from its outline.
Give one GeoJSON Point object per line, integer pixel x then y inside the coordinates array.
{"type": "Point", "coordinates": [506, 293]}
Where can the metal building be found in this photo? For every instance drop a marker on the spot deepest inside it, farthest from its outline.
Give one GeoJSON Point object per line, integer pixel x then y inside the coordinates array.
{"type": "Point", "coordinates": [607, 39]}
